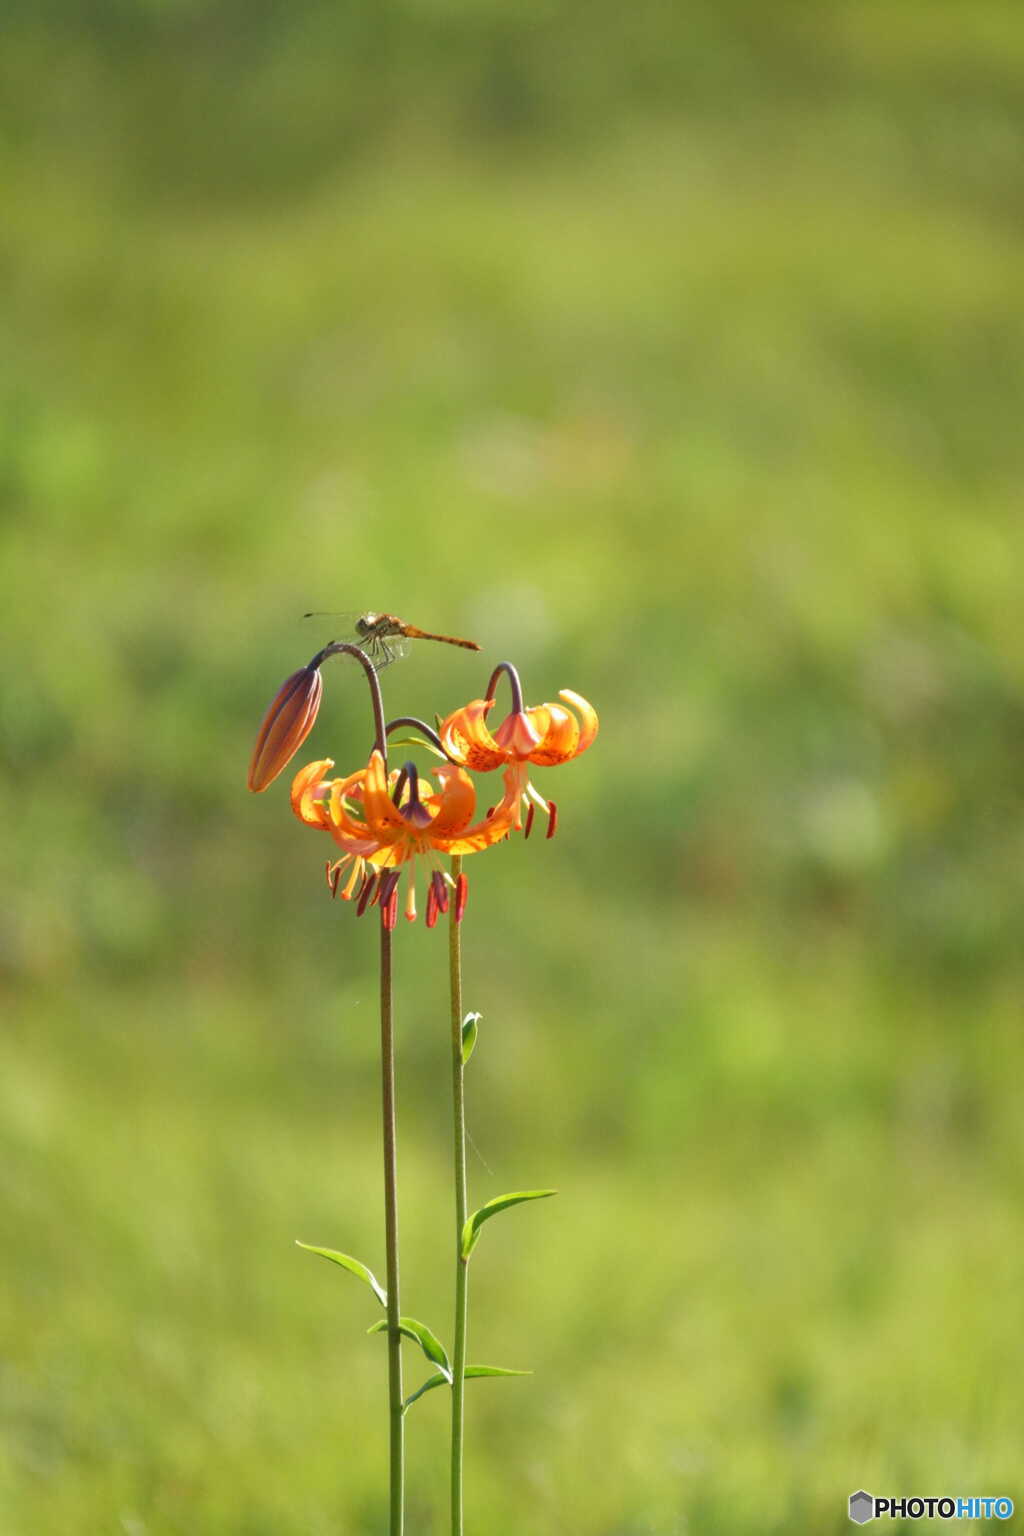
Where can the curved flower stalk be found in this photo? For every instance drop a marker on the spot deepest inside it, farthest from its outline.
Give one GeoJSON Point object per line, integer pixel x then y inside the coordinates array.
{"type": "Point", "coordinates": [385, 823]}
{"type": "Point", "coordinates": [546, 735]}
{"type": "Point", "coordinates": [293, 711]}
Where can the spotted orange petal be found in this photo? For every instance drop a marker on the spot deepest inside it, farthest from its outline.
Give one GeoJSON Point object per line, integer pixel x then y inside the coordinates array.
{"type": "Point", "coordinates": [384, 820]}
{"type": "Point", "coordinates": [466, 738]}
{"type": "Point", "coordinates": [305, 804]}
{"type": "Point", "coordinates": [348, 830]}
{"type": "Point", "coordinates": [565, 736]}
{"type": "Point", "coordinates": [457, 801]}
{"type": "Point", "coordinates": [497, 825]}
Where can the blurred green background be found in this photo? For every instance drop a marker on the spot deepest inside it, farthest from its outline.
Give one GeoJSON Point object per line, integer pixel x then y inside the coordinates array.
{"type": "Point", "coordinates": [673, 352]}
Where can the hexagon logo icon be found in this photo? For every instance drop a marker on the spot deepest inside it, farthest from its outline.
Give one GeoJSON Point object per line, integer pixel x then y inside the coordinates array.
{"type": "Point", "coordinates": [862, 1507]}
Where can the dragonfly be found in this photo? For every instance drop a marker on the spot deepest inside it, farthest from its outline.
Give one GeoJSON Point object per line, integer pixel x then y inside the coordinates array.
{"type": "Point", "coordinates": [385, 637]}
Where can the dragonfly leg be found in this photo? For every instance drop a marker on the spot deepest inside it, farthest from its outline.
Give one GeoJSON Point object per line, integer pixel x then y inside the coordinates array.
{"type": "Point", "coordinates": [377, 652]}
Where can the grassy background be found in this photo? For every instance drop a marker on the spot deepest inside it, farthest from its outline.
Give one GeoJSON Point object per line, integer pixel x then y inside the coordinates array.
{"type": "Point", "coordinates": [675, 354]}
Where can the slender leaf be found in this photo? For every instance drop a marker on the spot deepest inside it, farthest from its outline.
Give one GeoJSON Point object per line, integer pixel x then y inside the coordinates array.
{"type": "Point", "coordinates": [469, 1034]}
{"type": "Point", "coordinates": [417, 741]}
{"type": "Point", "coordinates": [492, 1370]}
{"type": "Point", "coordinates": [352, 1265]}
{"type": "Point", "coordinates": [471, 1231]}
{"type": "Point", "coordinates": [420, 1334]}
{"type": "Point", "coordinates": [439, 1380]}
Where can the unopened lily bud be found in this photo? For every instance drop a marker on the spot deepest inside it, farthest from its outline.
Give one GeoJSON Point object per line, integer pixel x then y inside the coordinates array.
{"type": "Point", "coordinates": [285, 727]}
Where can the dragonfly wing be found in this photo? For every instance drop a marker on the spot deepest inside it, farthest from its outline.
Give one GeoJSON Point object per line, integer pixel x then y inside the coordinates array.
{"type": "Point", "coordinates": [343, 622]}
{"type": "Point", "coordinates": [385, 649]}
{"type": "Point", "coordinates": [381, 648]}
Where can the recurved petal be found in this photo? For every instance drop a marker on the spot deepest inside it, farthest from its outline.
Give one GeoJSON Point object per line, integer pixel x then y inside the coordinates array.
{"type": "Point", "coordinates": [476, 839]}
{"type": "Point", "coordinates": [560, 738]}
{"type": "Point", "coordinates": [307, 805]}
{"type": "Point", "coordinates": [285, 727]}
{"type": "Point", "coordinates": [346, 827]}
{"type": "Point", "coordinates": [565, 736]}
{"type": "Point", "coordinates": [466, 738]}
{"type": "Point", "coordinates": [458, 801]}
{"type": "Point", "coordinates": [384, 820]}
{"type": "Point", "coordinates": [588, 717]}
{"type": "Point", "coordinates": [498, 824]}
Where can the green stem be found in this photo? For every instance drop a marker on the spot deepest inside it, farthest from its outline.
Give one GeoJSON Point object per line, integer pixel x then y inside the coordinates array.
{"type": "Point", "coordinates": [387, 1062]}
{"type": "Point", "coordinates": [461, 1264]}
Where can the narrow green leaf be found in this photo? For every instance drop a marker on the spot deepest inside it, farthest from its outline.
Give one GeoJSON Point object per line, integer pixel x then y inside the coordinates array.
{"type": "Point", "coordinates": [469, 1034]}
{"type": "Point", "coordinates": [439, 1380]}
{"type": "Point", "coordinates": [420, 1334]}
{"type": "Point", "coordinates": [471, 1231]}
{"type": "Point", "coordinates": [492, 1370]}
{"type": "Point", "coordinates": [417, 741]}
{"type": "Point", "coordinates": [352, 1265]}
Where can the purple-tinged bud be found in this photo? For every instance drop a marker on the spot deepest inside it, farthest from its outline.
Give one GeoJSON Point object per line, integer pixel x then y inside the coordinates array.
{"type": "Point", "coordinates": [285, 727]}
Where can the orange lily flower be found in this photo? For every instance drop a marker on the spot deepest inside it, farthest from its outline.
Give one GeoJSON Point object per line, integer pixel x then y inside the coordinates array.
{"type": "Point", "coordinates": [383, 822]}
{"type": "Point", "coordinates": [546, 734]}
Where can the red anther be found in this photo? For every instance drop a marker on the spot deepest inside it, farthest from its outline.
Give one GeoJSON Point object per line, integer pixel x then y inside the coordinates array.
{"type": "Point", "coordinates": [552, 818]}
{"type": "Point", "coordinates": [461, 897]}
{"type": "Point", "coordinates": [370, 889]}
{"type": "Point", "coordinates": [389, 909]}
{"type": "Point", "coordinates": [388, 883]}
{"type": "Point", "coordinates": [431, 907]}
{"type": "Point", "coordinates": [529, 819]}
{"type": "Point", "coordinates": [490, 812]}
{"type": "Point", "coordinates": [440, 890]}
{"type": "Point", "coordinates": [333, 876]}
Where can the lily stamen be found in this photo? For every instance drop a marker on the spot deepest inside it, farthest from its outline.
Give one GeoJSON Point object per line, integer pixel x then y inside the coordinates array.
{"type": "Point", "coordinates": [437, 885]}
{"type": "Point", "coordinates": [366, 892]}
{"type": "Point", "coordinates": [383, 822]}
